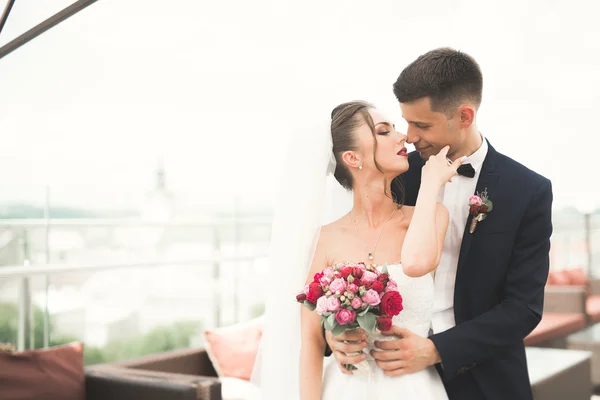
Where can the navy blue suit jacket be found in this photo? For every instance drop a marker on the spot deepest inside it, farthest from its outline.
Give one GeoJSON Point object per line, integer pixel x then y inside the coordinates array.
{"type": "Point", "coordinates": [501, 274]}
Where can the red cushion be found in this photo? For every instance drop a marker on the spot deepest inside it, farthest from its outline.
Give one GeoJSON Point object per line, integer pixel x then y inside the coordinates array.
{"type": "Point", "coordinates": [555, 325]}
{"type": "Point", "coordinates": [50, 374]}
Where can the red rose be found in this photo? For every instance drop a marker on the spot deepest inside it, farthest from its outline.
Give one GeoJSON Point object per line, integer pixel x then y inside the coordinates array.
{"type": "Point", "coordinates": [300, 298]}
{"type": "Point", "coordinates": [384, 323]}
{"type": "Point", "coordinates": [318, 277]}
{"type": "Point", "coordinates": [357, 282]}
{"type": "Point", "coordinates": [382, 277]}
{"type": "Point", "coordinates": [314, 292]}
{"type": "Point", "coordinates": [483, 208]}
{"type": "Point", "coordinates": [357, 273]}
{"type": "Point", "coordinates": [391, 303]}
{"type": "Point", "coordinates": [473, 209]}
{"type": "Point", "coordinates": [367, 284]}
{"type": "Point", "coordinates": [377, 286]}
{"type": "Point", "coordinates": [346, 271]}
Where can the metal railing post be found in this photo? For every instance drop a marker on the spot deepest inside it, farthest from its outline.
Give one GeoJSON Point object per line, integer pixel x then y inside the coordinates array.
{"type": "Point", "coordinates": [217, 277]}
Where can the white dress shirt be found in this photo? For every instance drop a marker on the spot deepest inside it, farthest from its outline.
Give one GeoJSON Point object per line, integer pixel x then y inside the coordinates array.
{"type": "Point", "coordinates": [455, 196]}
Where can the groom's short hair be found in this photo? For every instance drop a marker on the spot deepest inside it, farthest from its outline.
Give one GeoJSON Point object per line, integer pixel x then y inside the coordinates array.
{"type": "Point", "coordinates": [447, 76]}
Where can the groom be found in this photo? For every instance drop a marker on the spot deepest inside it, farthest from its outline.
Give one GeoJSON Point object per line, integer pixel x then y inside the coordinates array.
{"type": "Point", "coordinates": [489, 285]}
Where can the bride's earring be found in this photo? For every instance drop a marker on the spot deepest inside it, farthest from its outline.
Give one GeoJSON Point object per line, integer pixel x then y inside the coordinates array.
{"type": "Point", "coordinates": [359, 165]}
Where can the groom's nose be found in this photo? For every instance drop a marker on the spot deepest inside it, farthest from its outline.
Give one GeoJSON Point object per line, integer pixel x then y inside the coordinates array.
{"type": "Point", "coordinates": [411, 137]}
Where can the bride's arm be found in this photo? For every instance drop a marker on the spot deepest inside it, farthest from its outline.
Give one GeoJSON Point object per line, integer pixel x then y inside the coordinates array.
{"type": "Point", "coordinates": [313, 343]}
{"type": "Point", "coordinates": [424, 240]}
{"type": "Point", "coordinates": [422, 247]}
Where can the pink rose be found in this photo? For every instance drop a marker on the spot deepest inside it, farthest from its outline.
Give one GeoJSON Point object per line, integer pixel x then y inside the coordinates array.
{"type": "Point", "coordinates": [371, 298]}
{"type": "Point", "coordinates": [369, 276]}
{"type": "Point", "coordinates": [356, 303]}
{"type": "Point", "coordinates": [324, 281]}
{"type": "Point", "coordinates": [328, 272]}
{"type": "Point", "coordinates": [391, 286]}
{"type": "Point", "coordinates": [333, 304]}
{"type": "Point", "coordinates": [352, 288]}
{"type": "Point", "coordinates": [475, 201]}
{"type": "Point", "coordinates": [344, 317]}
{"type": "Point", "coordinates": [338, 285]}
{"type": "Point", "coordinates": [321, 305]}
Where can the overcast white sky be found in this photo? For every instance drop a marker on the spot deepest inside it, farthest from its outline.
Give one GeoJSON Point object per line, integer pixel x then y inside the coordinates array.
{"type": "Point", "coordinates": [211, 86]}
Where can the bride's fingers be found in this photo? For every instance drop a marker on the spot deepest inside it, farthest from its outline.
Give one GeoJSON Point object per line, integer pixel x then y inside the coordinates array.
{"type": "Point", "coordinates": [348, 347]}
{"type": "Point", "coordinates": [458, 162]}
{"type": "Point", "coordinates": [342, 358]}
{"type": "Point", "coordinates": [344, 370]}
{"type": "Point", "coordinates": [350, 336]}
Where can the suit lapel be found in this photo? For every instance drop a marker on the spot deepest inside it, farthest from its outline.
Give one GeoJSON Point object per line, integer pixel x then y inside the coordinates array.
{"type": "Point", "coordinates": [487, 181]}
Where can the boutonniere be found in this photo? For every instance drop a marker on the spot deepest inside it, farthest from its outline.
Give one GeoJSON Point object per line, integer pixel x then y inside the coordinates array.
{"type": "Point", "coordinates": [479, 207]}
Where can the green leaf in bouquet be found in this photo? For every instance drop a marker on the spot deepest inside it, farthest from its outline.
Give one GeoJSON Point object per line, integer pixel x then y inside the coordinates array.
{"type": "Point", "coordinates": [329, 323]}
{"type": "Point", "coordinates": [309, 305]}
{"type": "Point", "coordinates": [338, 330]}
{"type": "Point", "coordinates": [363, 312]}
{"type": "Point", "coordinates": [350, 279]}
{"type": "Point", "coordinates": [326, 314]}
{"type": "Point", "coordinates": [367, 321]}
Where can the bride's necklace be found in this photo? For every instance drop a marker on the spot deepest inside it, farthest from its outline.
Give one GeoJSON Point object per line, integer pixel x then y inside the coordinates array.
{"type": "Point", "coordinates": [370, 253]}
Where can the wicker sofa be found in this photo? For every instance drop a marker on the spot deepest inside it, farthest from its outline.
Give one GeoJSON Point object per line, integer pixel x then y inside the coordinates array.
{"type": "Point", "coordinates": [180, 374]}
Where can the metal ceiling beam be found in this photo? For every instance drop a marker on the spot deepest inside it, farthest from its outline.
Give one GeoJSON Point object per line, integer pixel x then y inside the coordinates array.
{"type": "Point", "coordinates": [44, 26]}
{"type": "Point", "coordinates": [5, 13]}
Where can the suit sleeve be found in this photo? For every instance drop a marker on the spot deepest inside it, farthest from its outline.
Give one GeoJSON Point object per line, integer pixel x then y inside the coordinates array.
{"type": "Point", "coordinates": [469, 343]}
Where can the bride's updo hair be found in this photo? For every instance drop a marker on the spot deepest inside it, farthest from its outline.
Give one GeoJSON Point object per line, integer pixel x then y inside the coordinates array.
{"type": "Point", "coordinates": [345, 118]}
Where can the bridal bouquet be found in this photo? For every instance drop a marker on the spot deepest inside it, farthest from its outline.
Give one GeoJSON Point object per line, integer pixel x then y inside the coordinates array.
{"type": "Point", "coordinates": [348, 296]}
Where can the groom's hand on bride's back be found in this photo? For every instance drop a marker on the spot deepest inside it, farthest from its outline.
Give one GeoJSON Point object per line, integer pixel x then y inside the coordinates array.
{"type": "Point", "coordinates": [346, 344]}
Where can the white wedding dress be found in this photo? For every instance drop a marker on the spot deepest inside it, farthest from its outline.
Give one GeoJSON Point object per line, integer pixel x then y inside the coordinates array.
{"type": "Point", "coordinates": [369, 382]}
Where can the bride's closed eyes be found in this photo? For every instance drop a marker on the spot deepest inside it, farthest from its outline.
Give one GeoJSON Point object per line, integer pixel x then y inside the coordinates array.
{"type": "Point", "coordinates": [385, 131]}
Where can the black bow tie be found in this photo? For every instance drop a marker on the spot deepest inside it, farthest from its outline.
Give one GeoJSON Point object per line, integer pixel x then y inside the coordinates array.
{"type": "Point", "coordinates": [466, 170]}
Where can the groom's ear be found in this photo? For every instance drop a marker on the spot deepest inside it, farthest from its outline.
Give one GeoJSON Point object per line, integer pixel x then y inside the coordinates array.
{"type": "Point", "coordinates": [467, 115]}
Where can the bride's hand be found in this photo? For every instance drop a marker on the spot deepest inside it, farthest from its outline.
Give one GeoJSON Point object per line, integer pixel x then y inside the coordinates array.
{"type": "Point", "coordinates": [438, 170]}
{"type": "Point", "coordinates": [348, 342]}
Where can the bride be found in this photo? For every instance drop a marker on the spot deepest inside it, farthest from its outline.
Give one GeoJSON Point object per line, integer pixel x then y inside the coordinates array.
{"type": "Point", "coordinates": [368, 153]}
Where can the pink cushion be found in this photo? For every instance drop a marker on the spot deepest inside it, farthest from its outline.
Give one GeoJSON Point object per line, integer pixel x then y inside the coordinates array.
{"type": "Point", "coordinates": [50, 374]}
{"type": "Point", "coordinates": [561, 278]}
{"type": "Point", "coordinates": [232, 350]}
{"type": "Point", "coordinates": [577, 276]}
{"type": "Point", "coordinates": [593, 307]}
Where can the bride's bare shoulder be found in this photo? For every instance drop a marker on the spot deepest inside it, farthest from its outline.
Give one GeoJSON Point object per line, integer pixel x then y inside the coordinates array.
{"type": "Point", "coordinates": [332, 230]}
